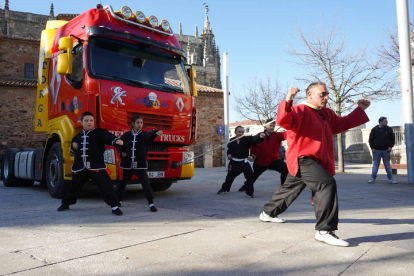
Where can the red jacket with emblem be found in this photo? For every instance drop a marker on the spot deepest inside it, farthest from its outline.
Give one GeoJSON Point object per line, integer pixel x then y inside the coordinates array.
{"type": "Point", "coordinates": [310, 132]}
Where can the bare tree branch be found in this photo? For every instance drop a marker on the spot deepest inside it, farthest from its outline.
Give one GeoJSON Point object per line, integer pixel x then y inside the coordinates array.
{"type": "Point", "coordinates": [349, 75]}
{"type": "Point", "coordinates": [260, 99]}
{"type": "Point", "coordinates": [391, 51]}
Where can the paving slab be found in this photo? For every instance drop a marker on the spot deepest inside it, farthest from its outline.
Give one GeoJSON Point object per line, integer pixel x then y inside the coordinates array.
{"type": "Point", "coordinates": [197, 232]}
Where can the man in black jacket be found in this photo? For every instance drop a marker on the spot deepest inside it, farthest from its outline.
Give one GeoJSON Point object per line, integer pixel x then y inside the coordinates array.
{"type": "Point", "coordinates": [238, 152]}
{"type": "Point", "coordinates": [381, 141]}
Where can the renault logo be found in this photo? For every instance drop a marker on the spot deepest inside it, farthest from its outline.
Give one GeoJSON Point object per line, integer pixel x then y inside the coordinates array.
{"type": "Point", "coordinates": [180, 104]}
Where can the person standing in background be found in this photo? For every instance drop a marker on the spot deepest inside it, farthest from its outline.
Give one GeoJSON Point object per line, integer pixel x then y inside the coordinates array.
{"type": "Point", "coordinates": [381, 142]}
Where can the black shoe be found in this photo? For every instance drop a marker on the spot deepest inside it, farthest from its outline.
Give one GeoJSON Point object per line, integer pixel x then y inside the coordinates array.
{"type": "Point", "coordinates": [153, 208]}
{"type": "Point", "coordinates": [250, 196]}
{"type": "Point", "coordinates": [63, 207]}
{"type": "Point", "coordinates": [117, 212]}
{"type": "Point", "coordinates": [222, 191]}
{"type": "Point", "coordinates": [242, 188]}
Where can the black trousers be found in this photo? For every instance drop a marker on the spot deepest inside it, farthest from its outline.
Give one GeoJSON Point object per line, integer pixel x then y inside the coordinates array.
{"type": "Point", "coordinates": [322, 183]}
{"type": "Point", "coordinates": [146, 185]}
{"type": "Point", "coordinates": [277, 165]}
{"type": "Point", "coordinates": [234, 170]}
{"type": "Point", "coordinates": [100, 178]}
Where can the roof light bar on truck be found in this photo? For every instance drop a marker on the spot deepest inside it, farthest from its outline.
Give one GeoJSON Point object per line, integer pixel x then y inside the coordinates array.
{"type": "Point", "coordinates": [109, 8]}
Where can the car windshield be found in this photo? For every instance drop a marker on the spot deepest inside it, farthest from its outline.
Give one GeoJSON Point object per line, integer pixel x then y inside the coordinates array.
{"type": "Point", "coordinates": [138, 64]}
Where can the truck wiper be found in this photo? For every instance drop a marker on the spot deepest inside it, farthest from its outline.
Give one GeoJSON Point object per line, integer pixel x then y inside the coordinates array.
{"type": "Point", "coordinates": [140, 84]}
{"type": "Point", "coordinates": [168, 88]}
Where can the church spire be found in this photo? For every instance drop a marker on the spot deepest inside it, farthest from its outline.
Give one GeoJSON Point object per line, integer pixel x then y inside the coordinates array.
{"type": "Point", "coordinates": [181, 29]}
{"type": "Point", "coordinates": [52, 12]}
{"type": "Point", "coordinates": [206, 28]}
{"type": "Point", "coordinates": [6, 5]}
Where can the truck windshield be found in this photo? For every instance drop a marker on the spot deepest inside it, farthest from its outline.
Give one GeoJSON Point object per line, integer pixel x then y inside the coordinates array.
{"type": "Point", "coordinates": [137, 64]}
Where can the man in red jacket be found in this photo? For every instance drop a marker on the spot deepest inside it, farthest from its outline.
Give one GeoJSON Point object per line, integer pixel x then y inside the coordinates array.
{"type": "Point", "coordinates": [267, 155]}
{"type": "Point", "coordinates": [310, 157]}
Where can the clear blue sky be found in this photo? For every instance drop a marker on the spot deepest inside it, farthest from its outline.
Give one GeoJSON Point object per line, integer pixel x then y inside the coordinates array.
{"type": "Point", "coordinates": [256, 34]}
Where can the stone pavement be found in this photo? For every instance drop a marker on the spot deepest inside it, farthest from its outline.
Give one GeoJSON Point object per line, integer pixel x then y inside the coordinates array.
{"type": "Point", "coordinates": [197, 232]}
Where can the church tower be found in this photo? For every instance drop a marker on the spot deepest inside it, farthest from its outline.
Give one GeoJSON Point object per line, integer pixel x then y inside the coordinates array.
{"type": "Point", "coordinates": [203, 53]}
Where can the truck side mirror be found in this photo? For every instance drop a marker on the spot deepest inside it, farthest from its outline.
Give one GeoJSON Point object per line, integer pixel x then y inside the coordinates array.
{"type": "Point", "coordinates": [64, 61]}
{"type": "Point", "coordinates": [192, 74]}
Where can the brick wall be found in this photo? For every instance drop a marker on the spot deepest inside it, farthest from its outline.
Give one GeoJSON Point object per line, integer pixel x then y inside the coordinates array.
{"type": "Point", "coordinates": [14, 53]}
{"type": "Point", "coordinates": [210, 112]}
{"type": "Point", "coordinates": [17, 118]}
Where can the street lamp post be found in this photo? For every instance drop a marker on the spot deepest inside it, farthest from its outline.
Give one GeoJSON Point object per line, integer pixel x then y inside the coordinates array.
{"type": "Point", "coordinates": [406, 83]}
{"type": "Point", "coordinates": [226, 104]}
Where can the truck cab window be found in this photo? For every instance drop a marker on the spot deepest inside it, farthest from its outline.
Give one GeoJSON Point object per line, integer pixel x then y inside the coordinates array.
{"type": "Point", "coordinates": [137, 64]}
{"type": "Point", "coordinates": [75, 79]}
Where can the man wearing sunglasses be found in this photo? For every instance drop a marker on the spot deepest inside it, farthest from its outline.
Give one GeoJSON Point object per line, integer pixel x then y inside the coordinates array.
{"type": "Point", "coordinates": [310, 157]}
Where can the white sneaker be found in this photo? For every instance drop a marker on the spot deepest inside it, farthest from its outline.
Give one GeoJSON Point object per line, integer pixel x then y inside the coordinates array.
{"type": "Point", "coordinates": [266, 218]}
{"type": "Point", "coordinates": [371, 181]}
{"type": "Point", "coordinates": [392, 181]}
{"type": "Point", "coordinates": [329, 237]}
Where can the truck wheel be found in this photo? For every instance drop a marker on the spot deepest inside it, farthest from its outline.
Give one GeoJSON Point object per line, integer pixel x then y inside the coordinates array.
{"type": "Point", "coordinates": [161, 186]}
{"type": "Point", "coordinates": [7, 168]}
{"type": "Point", "coordinates": [54, 171]}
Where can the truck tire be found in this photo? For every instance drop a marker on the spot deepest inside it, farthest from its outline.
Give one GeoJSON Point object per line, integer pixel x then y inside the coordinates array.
{"type": "Point", "coordinates": [7, 168]}
{"type": "Point", "coordinates": [161, 186]}
{"type": "Point", "coordinates": [54, 171]}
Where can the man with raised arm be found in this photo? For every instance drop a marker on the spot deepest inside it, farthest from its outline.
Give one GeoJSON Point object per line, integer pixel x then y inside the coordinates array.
{"type": "Point", "coordinates": [310, 157]}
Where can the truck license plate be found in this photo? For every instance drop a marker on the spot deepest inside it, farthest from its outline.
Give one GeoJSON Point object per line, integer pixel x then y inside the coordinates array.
{"type": "Point", "coordinates": [155, 174]}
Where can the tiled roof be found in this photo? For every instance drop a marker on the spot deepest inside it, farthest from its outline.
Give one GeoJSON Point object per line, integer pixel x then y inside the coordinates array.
{"type": "Point", "coordinates": [245, 123]}
{"type": "Point", "coordinates": [200, 88]}
{"type": "Point", "coordinates": [65, 16]}
{"type": "Point", "coordinates": [20, 38]}
{"type": "Point", "coordinates": [18, 82]}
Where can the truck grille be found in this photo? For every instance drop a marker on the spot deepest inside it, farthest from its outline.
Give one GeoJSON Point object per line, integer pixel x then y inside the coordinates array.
{"type": "Point", "coordinates": [157, 148]}
{"type": "Point", "coordinates": [159, 122]}
{"type": "Point", "coordinates": [156, 165]}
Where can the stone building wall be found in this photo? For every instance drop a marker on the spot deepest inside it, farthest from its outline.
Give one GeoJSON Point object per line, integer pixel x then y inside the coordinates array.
{"type": "Point", "coordinates": [21, 24]}
{"type": "Point", "coordinates": [210, 114]}
{"type": "Point", "coordinates": [14, 53]}
{"type": "Point", "coordinates": [17, 118]}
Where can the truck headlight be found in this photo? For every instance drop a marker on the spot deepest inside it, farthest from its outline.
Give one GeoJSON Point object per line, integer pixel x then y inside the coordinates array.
{"type": "Point", "coordinates": [188, 157]}
{"type": "Point", "coordinates": [165, 25]}
{"type": "Point", "coordinates": [109, 156]}
{"type": "Point", "coordinates": [126, 12]}
{"type": "Point", "coordinates": [140, 16]}
{"type": "Point", "coordinates": [153, 21]}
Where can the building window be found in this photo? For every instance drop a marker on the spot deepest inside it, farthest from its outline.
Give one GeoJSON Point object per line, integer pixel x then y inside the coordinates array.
{"type": "Point", "coordinates": [247, 130]}
{"type": "Point", "coordinates": [29, 71]}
